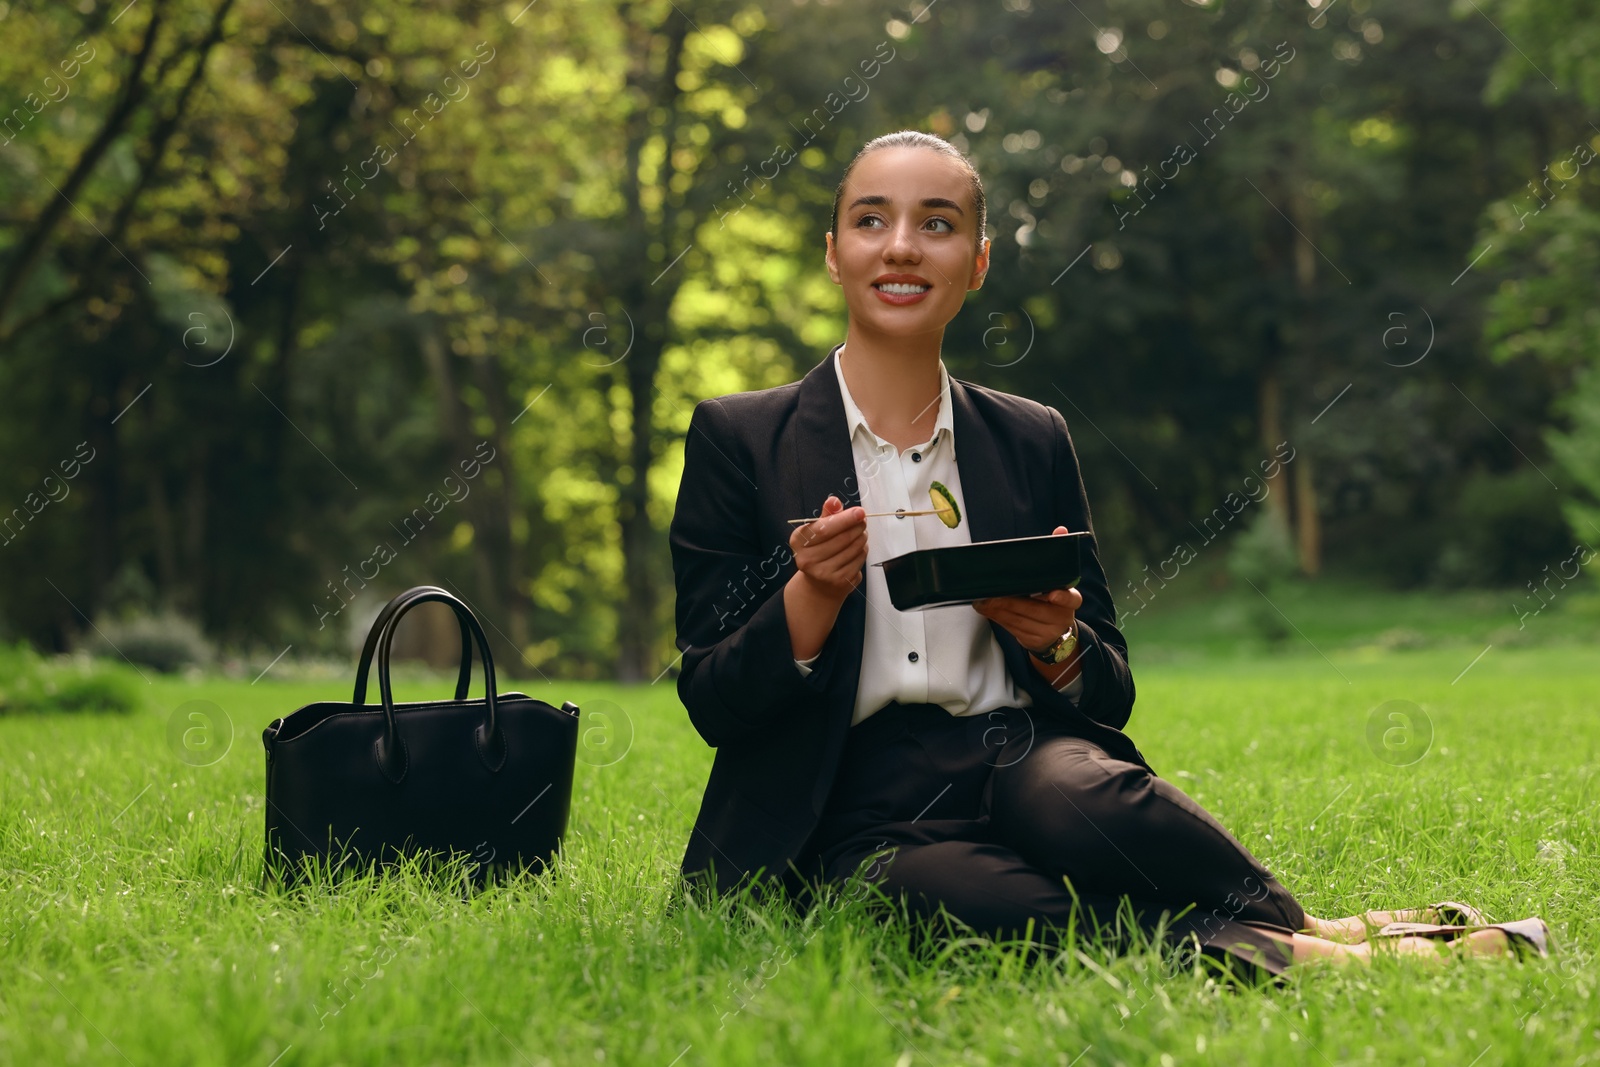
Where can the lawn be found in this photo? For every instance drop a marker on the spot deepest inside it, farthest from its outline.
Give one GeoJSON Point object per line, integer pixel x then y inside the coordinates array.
{"type": "Point", "coordinates": [134, 928]}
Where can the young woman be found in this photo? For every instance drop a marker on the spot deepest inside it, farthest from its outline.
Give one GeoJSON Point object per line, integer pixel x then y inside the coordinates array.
{"type": "Point", "coordinates": [969, 759]}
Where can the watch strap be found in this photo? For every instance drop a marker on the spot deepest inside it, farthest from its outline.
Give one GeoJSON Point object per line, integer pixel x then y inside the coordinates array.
{"type": "Point", "coordinates": [1062, 648]}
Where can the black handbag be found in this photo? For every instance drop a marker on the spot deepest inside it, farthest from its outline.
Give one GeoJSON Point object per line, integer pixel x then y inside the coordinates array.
{"type": "Point", "coordinates": [489, 778]}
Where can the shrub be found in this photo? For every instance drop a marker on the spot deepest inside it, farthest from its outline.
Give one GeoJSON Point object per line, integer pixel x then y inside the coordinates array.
{"type": "Point", "coordinates": [1262, 553]}
{"type": "Point", "coordinates": [165, 641]}
{"type": "Point", "coordinates": [1501, 531]}
{"type": "Point", "coordinates": [31, 683]}
{"type": "Point", "coordinates": [1579, 454]}
{"type": "Point", "coordinates": [1264, 556]}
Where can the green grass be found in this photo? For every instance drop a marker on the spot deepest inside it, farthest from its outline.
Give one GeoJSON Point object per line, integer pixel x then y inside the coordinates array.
{"type": "Point", "coordinates": [1204, 614]}
{"type": "Point", "coordinates": [132, 928]}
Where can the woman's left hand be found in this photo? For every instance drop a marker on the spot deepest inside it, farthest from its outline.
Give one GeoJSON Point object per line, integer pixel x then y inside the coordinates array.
{"type": "Point", "coordinates": [1036, 621]}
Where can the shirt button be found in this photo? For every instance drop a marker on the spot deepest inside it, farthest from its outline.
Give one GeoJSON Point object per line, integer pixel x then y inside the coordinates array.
{"type": "Point", "coordinates": [912, 656]}
{"type": "Point", "coordinates": [916, 457]}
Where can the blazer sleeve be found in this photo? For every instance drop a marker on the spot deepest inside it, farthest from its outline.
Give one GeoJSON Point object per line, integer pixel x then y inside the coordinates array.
{"type": "Point", "coordinates": [1108, 690]}
{"type": "Point", "coordinates": [739, 673]}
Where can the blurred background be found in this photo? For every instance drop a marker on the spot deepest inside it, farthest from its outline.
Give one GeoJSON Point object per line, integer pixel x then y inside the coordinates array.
{"type": "Point", "coordinates": [305, 302]}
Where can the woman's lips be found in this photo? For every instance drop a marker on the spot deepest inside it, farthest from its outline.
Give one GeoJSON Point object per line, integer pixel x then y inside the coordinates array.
{"type": "Point", "coordinates": [901, 298]}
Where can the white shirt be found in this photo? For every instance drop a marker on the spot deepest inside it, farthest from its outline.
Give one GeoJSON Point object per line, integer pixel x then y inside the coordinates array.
{"type": "Point", "coordinates": [947, 655]}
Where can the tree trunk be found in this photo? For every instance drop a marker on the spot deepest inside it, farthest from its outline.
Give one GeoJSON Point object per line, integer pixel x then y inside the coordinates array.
{"type": "Point", "coordinates": [636, 626]}
{"type": "Point", "coordinates": [1308, 516]}
{"type": "Point", "coordinates": [1308, 535]}
{"type": "Point", "coordinates": [498, 513]}
{"type": "Point", "coordinates": [500, 595]}
{"type": "Point", "coordinates": [161, 531]}
{"type": "Point", "coordinates": [650, 291]}
{"type": "Point", "coordinates": [1270, 404]}
{"type": "Point", "coordinates": [193, 587]}
{"type": "Point", "coordinates": [105, 541]}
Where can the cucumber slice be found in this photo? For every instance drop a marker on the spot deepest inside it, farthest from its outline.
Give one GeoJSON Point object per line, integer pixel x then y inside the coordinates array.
{"type": "Point", "coordinates": [944, 502]}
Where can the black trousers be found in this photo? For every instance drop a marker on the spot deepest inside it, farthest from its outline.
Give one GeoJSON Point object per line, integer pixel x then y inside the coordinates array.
{"type": "Point", "coordinates": [994, 820]}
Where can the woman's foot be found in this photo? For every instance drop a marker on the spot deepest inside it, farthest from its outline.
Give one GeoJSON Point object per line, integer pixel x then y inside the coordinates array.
{"type": "Point", "coordinates": [1529, 937]}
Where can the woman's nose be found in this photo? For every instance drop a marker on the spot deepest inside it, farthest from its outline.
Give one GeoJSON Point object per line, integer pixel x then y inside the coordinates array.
{"type": "Point", "coordinates": [902, 245]}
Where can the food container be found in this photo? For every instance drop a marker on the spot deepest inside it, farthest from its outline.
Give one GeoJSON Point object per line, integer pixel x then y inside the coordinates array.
{"type": "Point", "coordinates": [960, 574]}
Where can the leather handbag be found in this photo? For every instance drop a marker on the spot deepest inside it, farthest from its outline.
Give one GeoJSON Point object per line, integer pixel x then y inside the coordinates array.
{"type": "Point", "coordinates": [487, 778]}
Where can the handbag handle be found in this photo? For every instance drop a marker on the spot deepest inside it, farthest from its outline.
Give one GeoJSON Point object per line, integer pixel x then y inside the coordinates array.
{"type": "Point", "coordinates": [383, 621]}
{"type": "Point", "coordinates": [390, 748]}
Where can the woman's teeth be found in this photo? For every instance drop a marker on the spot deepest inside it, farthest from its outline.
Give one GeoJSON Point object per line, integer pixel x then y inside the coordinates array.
{"type": "Point", "coordinates": [902, 288]}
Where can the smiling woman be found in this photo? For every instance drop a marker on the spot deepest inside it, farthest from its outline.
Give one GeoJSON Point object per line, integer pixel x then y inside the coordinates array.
{"type": "Point", "coordinates": [967, 760]}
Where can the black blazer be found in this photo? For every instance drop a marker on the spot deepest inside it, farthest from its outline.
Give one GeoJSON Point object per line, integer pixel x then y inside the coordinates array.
{"type": "Point", "coordinates": [753, 460]}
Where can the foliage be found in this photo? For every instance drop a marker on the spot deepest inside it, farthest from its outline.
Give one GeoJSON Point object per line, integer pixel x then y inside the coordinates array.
{"type": "Point", "coordinates": [1578, 450]}
{"type": "Point", "coordinates": [1262, 556]}
{"type": "Point", "coordinates": [270, 273]}
{"type": "Point", "coordinates": [1544, 307]}
{"type": "Point", "coordinates": [166, 641]}
{"type": "Point", "coordinates": [1506, 520]}
{"type": "Point", "coordinates": [32, 683]}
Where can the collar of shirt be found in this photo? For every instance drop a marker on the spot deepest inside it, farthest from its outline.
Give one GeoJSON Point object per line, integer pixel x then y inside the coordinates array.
{"type": "Point", "coordinates": [943, 425]}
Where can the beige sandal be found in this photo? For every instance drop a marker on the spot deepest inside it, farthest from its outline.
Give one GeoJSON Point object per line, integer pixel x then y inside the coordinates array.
{"type": "Point", "coordinates": [1526, 936]}
{"type": "Point", "coordinates": [1453, 913]}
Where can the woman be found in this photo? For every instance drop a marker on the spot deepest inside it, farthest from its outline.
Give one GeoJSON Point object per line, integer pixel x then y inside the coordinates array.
{"type": "Point", "coordinates": [968, 759]}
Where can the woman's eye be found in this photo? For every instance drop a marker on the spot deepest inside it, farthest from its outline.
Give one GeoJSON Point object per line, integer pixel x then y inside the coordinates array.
{"type": "Point", "coordinates": [949, 227]}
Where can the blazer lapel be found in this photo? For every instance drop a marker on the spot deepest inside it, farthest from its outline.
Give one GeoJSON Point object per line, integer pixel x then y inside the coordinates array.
{"type": "Point", "coordinates": [821, 443]}
{"type": "Point", "coordinates": [990, 507]}
{"type": "Point", "coordinates": [821, 454]}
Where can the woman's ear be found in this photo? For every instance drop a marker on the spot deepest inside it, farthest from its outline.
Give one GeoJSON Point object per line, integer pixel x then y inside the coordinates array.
{"type": "Point", "coordinates": [830, 258]}
{"type": "Point", "coordinates": [980, 265]}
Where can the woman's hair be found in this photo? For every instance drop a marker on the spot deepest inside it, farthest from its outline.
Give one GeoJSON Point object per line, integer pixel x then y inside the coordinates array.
{"type": "Point", "coordinates": [916, 139]}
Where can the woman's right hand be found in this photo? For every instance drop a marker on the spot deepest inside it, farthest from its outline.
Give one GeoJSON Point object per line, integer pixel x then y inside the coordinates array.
{"type": "Point", "coordinates": [830, 551]}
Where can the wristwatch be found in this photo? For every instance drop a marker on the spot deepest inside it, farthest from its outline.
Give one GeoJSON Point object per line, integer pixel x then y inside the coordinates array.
{"type": "Point", "coordinates": [1063, 648]}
